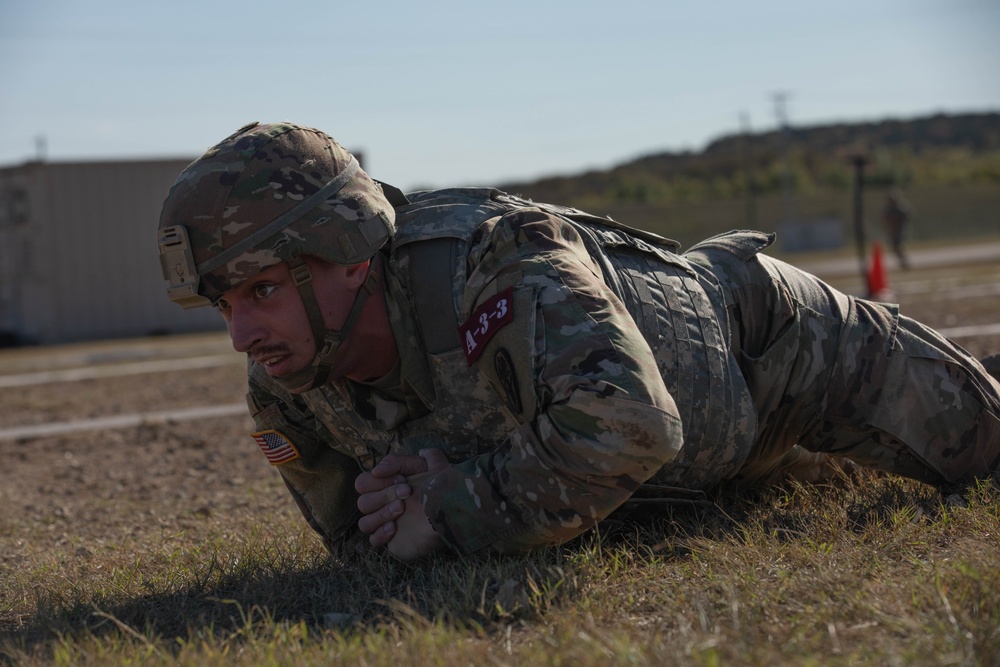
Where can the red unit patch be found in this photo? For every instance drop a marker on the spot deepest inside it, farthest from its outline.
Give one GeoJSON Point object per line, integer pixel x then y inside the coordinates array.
{"type": "Point", "coordinates": [488, 319]}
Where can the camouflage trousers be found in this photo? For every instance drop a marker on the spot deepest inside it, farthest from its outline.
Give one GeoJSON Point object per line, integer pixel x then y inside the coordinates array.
{"type": "Point", "coordinates": [835, 376]}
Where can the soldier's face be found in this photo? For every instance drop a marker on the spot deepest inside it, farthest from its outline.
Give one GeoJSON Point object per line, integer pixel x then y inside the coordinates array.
{"type": "Point", "coordinates": [267, 321]}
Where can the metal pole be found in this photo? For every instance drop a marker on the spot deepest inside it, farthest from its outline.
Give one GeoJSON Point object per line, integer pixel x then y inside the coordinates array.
{"type": "Point", "coordinates": [748, 169]}
{"type": "Point", "coordinates": [780, 111]}
{"type": "Point", "coordinates": [859, 161]}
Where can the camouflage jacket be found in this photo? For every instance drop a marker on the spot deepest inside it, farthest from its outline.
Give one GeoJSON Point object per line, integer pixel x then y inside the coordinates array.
{"type": "Point", "coordinates": [591, 362]}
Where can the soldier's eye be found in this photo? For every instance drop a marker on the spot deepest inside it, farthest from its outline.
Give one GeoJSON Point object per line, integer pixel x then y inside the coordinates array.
{"type": "Point", "coordinates": [262, 290]}
{"type": "Point", "coordinates": [221, 305]}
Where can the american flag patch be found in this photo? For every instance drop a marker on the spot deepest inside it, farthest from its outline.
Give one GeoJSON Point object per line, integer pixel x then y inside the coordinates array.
{"type": "Point", "coordinates": [277, 448]}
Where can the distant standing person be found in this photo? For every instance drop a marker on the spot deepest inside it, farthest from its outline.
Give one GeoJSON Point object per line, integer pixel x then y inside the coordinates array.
{"type": "Point", "coordinates": [896, 217]}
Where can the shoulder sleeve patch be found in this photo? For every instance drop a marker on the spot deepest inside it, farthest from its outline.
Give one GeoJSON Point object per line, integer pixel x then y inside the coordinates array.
{"type": "Point", "coordinates": [276, 447]}
{"type": "Point", "coordinates": [485, 322]}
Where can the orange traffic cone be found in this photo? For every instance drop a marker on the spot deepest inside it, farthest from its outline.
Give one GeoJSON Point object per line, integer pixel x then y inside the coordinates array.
{"type": "Point", "coordinates": [878, 279]}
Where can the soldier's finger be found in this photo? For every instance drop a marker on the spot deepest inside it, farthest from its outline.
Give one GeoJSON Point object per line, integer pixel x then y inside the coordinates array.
{"type": "Point", "coordinates": [399, 464]}
{"type": "Point", "coordinates": [370, 524]}
{"type": "Point", "coordinates": [369, 503]}
{"type": "Point", "coordinates": [369, 483]}
{"type": "Point", "coordinates": [434, 459]}
{"type": "Point", "coordinates": [384, 535]}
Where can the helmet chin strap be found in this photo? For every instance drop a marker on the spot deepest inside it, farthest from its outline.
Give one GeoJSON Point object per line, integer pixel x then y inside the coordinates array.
{"type": "Point", "coordinates": [328, 341]}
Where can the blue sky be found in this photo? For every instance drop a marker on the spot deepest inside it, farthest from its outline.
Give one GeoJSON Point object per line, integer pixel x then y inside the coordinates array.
{"type": "Point", "coordinates": [439, 93]}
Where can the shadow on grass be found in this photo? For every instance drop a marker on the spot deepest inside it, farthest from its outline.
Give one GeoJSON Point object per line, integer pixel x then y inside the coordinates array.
{"type": "Point", "coordinates": [261, 591]}
{"type": "Point", "coordinates": [252, 589]}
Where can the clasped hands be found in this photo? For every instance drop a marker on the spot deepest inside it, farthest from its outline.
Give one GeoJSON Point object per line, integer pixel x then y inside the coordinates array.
{"type": "Point", "coordinates": [389, 499]}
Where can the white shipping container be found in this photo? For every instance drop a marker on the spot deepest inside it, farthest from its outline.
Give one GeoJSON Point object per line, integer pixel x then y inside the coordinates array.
{"type": "Point", "coordinates": [78, 255]}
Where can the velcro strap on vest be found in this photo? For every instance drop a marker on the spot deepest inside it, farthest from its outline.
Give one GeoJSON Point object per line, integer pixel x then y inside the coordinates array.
{"type": "Point", "coordinates": [432, 266]}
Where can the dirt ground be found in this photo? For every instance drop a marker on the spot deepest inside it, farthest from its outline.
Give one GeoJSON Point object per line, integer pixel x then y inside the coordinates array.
{"type": "Point", "coordinates": [85, 490]}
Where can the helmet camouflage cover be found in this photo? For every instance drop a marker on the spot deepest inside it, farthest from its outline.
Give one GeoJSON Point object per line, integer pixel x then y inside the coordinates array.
{"type": "Point", "coordinates": [262, 196]}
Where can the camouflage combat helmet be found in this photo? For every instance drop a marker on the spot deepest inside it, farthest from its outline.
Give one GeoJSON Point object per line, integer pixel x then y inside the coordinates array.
{"type": "Point", "coordinates": [269, 194]}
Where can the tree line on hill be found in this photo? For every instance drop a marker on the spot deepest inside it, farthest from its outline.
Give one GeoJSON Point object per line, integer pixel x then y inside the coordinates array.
{"type": "Point", "coordinates": [941, 149]}
{"type": "Point", "coordinates": [939, 158]}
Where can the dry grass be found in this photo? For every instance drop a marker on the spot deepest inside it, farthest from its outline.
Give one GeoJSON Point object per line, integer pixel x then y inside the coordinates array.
{"type": "Point", "coordinates": [875, 570]}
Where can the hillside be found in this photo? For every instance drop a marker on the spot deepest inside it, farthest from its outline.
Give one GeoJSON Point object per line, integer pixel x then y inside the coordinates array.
{"type": "Point", "coordinates": [948, 165]}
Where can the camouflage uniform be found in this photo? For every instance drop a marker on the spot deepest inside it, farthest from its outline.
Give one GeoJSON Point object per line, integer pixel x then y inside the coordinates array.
{"type": "Point", "coordinates": [594, 364]}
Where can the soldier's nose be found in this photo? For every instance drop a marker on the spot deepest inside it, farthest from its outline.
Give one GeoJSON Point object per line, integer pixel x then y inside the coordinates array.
{"type": "Point", "coordinates": [244, 330]}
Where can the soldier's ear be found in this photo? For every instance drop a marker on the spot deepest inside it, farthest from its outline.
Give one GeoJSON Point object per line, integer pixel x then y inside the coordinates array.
{"type": "Point", "coordinates": [356, 274]}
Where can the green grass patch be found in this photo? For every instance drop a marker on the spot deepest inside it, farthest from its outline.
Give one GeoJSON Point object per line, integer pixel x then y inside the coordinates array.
{"type": "Point", "coordinates": [875, 570]}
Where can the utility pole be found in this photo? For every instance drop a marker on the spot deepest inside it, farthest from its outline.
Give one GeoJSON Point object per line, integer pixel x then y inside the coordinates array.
{"type": "Point", "coordinates": [780, 111]}
{"type": "Point", "coordinates": [748, 171]}
{"type": "Point", "coordinates": [41, 148]}
{"type": "Point", "coordinates": [858, 158]}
